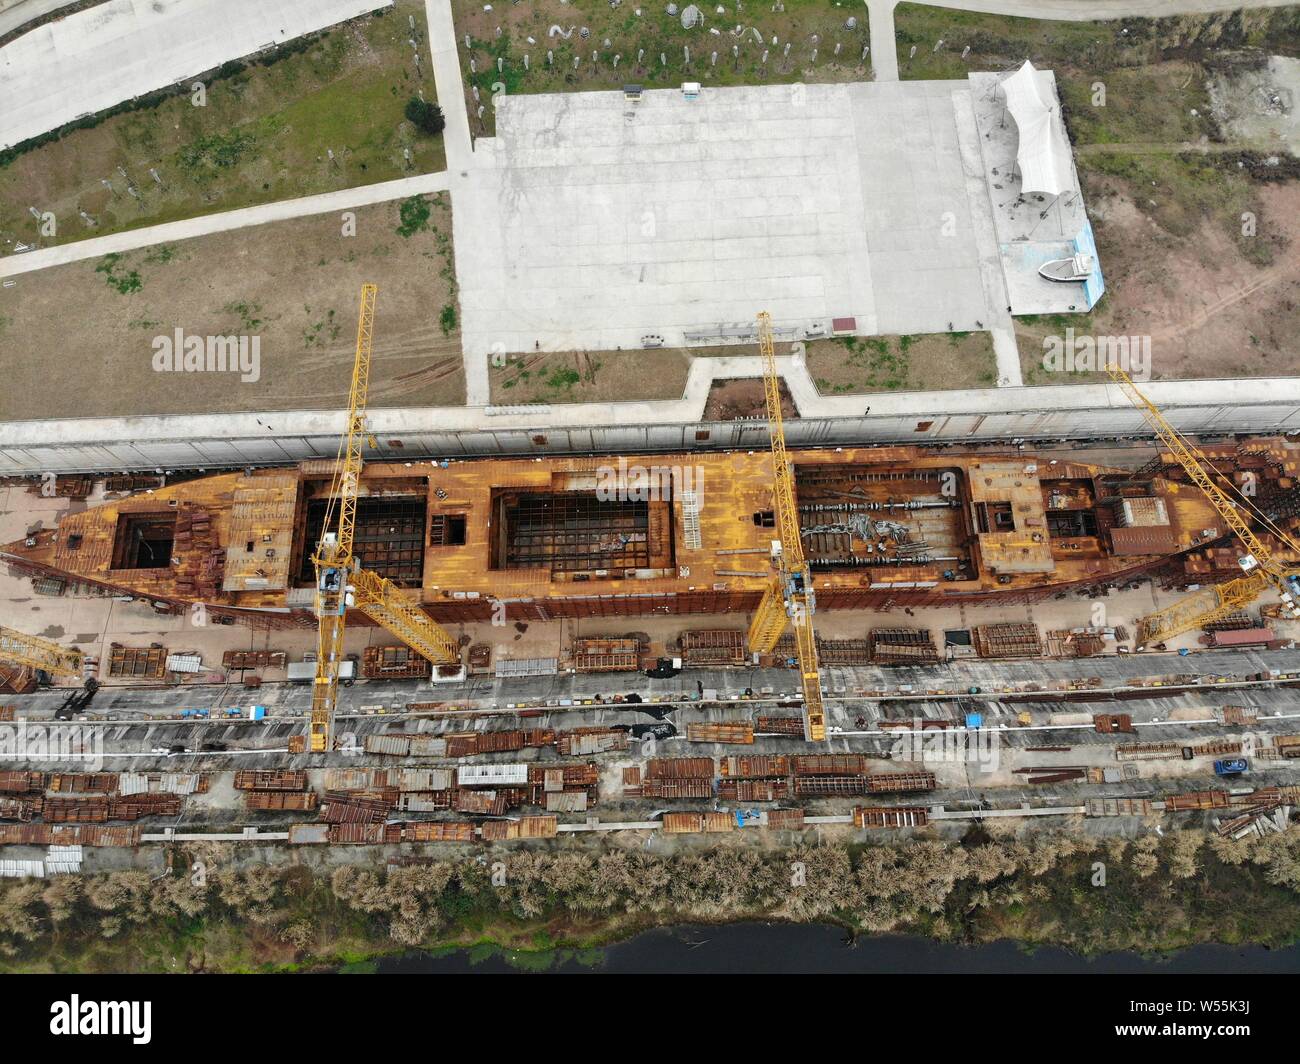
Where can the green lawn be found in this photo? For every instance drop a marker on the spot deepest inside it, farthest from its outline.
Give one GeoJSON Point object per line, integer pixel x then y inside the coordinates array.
{"type": "Point", "coordinates": [265, 132]}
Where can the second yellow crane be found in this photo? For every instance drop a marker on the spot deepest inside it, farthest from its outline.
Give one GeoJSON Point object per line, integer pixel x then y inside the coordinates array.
{"type": "Point", "coordinates": [1260, 568]}
{"type": "Point", "coordinates": [341, 582]}
{"type": "Point", "coordinates": [18, 648]}
{"type": "Point", "coordinates": [789, 598]}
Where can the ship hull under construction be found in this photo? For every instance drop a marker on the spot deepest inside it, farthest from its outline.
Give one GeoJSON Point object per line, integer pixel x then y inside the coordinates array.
{"type": "Point", "coordinates": [488, 540]}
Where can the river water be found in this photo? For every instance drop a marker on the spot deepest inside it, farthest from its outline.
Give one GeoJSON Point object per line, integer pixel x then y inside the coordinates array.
{"type": "Point", "coordinates": [756, 947]}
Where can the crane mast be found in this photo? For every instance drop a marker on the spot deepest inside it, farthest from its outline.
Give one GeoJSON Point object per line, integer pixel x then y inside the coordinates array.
{"type": "Point", "coordinates": [1260, 568]}
{"type": "Point", "coordinates": [341, 583]}
{"type": "Point", "coordinates": [789, 598]}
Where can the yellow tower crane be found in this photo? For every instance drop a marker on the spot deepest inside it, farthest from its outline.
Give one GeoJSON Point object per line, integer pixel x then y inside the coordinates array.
{"type": "Point", "coordinates": [789, 597]}
{"type": "Point", "coordinates": [1259, 567]}
{"type": "Point", "coordinates": [18, 648]}
{"type": "Point", "coordinates": [341, 583]}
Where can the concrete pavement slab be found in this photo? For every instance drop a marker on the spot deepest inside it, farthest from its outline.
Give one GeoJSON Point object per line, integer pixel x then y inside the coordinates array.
{"type": "Point", "coordinates": [593, 222]}
{"type": "Point", "coordinates": [95, 59]}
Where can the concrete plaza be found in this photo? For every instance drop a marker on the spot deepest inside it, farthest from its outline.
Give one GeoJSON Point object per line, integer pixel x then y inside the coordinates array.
{"type": "Point", "coordinates": [595, 223]}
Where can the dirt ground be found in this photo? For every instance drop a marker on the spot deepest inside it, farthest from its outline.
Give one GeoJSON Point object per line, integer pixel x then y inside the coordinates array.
{"type": "Point", "coordinates": [653, 32]}
{"type": "Point", "coordinates": [1259, 103]}
{"type": "Point", "coordinates": [740, 400]}
{"type": "Point", "coordinates": [1209, 309]}
{"type": "Point", "coordinates": [263, 134]}
{"type": "Point", "coordinates": [934, 362]}
{"type": "Point", "coordinates": [591, 377]}
{"type": "Point", "coordinates": [78, 341]}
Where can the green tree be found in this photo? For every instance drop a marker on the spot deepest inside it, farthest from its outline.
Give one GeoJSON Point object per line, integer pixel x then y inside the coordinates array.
{"type": "Point", "coordinates": [425, 116]}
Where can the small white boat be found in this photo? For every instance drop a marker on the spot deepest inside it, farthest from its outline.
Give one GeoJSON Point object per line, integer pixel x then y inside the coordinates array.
{"type": "Point", "coordinates": [1075, 268]}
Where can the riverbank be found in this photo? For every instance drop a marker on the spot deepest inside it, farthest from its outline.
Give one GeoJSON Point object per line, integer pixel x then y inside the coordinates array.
{"type": "Point", "coordinates": [758, 949]}
{"type": "Point", "coordinates": [1090, 896]}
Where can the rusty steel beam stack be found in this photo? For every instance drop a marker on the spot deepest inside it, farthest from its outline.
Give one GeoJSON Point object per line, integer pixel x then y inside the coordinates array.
{"type": "Point", "coordinates": [739, 790]}
{"type": "Point", "coordinates": [606, 655]}
{"type": "Point", "coordinates": [1007, 640]}
{"type": "Point", "coordinates": [580, 774]}
{"type": "Point", "coordinates": [829, 651]}
{"type": "Point", "coordinates": [83, 782]}
{"type": "Point", "coordinates": [467, 744]}
{"type": "Point", "coordinates": [754, 766]}
{"type": "Point", "coordinates": [694, 823]}
{"type": "Point", "coordinates": [890, 816]}
{"type": "Point", "coordinates": [707, 732]}
{"type": "Point", "coordinates": [17, 782]}
{"type": "Point", "coordinates": [438, 831]}
{"type": "Point", "coordinates": [137, 663]}
{"type": "Point", "coordinates": [1177, 803]}
{"type": "Point", "coordinates": [526, 827]}
{"type": "Point", "coordinates": [792, 726]}
{"type": "Point", "coordinates": [851, 786]}
{"type": "Point", "coordinates": [679, 768]}
{"type": "Point", "coordinates": [101, 809]}
{"type": "Point", "coordinates": [683, 788]}
{"type": "Point", "coordinates": [393, 663]}
{"type": "Point", "coordinates": [830, 765]}
{"type": "Point", "coordinates": [18, 809]}
{"type": "Point", "coordinates": [68, 835]}
{"type": "Point", "coordinates": [280, 801]}
{"type": "Point", "coordinates": [583, 741]}
{"type": "Point", "coordinates": [357, 807]}
{"type": "Point", "coordinates": [902, 646]}
{"type": "Point", "coordinates": [713, 646]}
{"type": "Point", "coordinates": [270, 780]}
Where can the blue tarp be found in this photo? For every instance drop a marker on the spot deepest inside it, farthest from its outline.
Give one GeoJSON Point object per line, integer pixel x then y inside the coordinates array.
{"type": "Point", "coordinates": [1085, 244]}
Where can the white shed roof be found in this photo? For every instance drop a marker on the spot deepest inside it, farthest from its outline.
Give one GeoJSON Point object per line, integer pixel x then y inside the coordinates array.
{"type": "Point", "coordinates": [1043, 154]}
{"type": "Point", "coordinates": [489, 775]}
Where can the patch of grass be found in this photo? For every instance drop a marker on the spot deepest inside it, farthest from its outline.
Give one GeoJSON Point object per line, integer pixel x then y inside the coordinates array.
{"type": "Point", "coordinates": [850, 365]}
{"type": "Point", "coordinates": [563, 378]}
{"type": "Point", "coordinates": [327, 327]}
{"type": "Point", "coordinates": [216, 151]}
{"type": "Point", "coordinates": [414, 215]}
{"type": "Point", "coordinates": [161, 255]}
{"type": "Point", "coordinates": [247, 313]}
{"type": "Point", "coordinates": [1167, 103]}
{"type": "Point", "coordinates": [498, 58]}
{"type": "Point", "coordinates": [447, 319]}
{"type": "Point", "coordinates": [123, 281]}
{"type": "Point", "coordinates": [584, 377]}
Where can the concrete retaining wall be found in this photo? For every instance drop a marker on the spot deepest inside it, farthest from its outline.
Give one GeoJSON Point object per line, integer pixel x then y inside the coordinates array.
{"type": "Point", "coordinates": [231, 441]}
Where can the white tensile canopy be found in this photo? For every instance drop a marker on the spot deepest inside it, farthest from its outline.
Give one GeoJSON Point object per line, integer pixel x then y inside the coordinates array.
{"type": "Point", "coordinates": [1043, 154]}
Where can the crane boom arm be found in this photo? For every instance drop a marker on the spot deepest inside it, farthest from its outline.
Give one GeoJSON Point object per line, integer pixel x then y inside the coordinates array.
{"type": "Point", "coordinates": [388, 606]}
{"type": "Point", "coordinates": [333, 557]}
{"type": "Point", "coordinates": [349, 476]}
{"type": "Point", "coordinates": [1200, 608]}
{"type": "Point", "coordinates": [789, 597]}
{"type": "Point", "coordinates": [787, 513]}
{"type": "Point", "coordinates": [1216, 602]}
{"type": "Point", "coordinates": [341, 583]}
{"type": "Point", "coordinates": [1194, 463]}
{"type": "Point", "coordinates": [22, 649]}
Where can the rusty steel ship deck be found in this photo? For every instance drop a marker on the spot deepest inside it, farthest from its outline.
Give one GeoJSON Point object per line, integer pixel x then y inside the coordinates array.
{"type": "Point", "coordinates": [607, 536]}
